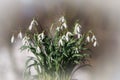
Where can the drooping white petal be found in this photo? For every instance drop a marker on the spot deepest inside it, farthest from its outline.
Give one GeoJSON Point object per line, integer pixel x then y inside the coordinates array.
{"type": "Point", "coordinates": [61, 27]}
{"type": "Point", "coordinates": [93, 38]}
{"type": "Point", "coordinates": [63, 37]}
{"type": "Point", "coordinates": [25, 40]}
{"type": "Point", "coordinates": [67, 38]}
{"type": "Point", "coordinates": [30, 27]}
{"type": "Point", "coordinates": [60, 43]}
{"type": "Point", "coordinates": [88, 38]}
{"type": "Point", "coordinates": [32, 24]}
{"type": "Point", "coordinates": [76, 50]}
{"type": "Point", "coordinates": [95, 44]}
{"type": "Point", "coordinates": [20, 35]}
{"type": "Point", "coordinates": [41, 36]}
{"type": "Point", "coordinates": [64, 25]}
{"type": "Point", "coordinates": [38, 50]}
{"type": "Point", "coordinates": [69, 34]}
{"type": "Point", "coordinates": [79, 35]}
{"type": "Point", "coordinates": [12, 39]}
{"type": "Point", "coordinates": [62, 19]}
{"type": "Point", "coordinates": [77, 28]}
{"type": "Point", "coordinates": [58, 28]}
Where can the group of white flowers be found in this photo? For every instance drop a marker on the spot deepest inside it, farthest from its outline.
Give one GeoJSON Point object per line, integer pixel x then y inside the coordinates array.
{"type": "Point", "coordinates": [77, 31]}
{"type": "Point", "coordinates": [46, 49]}
{"type": "Point", "coordinates": [26, 38]}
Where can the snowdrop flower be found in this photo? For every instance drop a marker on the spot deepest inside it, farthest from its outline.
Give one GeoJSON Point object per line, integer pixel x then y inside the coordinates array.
{"type": "Point", "coordinates": [64, 25]}
{"type": "Point", "coordinates": [38, 50]}
{"type": "Point", "coordinates": [62, 19]}
{"type": "Point", "coordinates": [58, 28]}
{"type": "Point", "coordinates": [12, 39]}
{"type": "Point", "coordinates": [20, 35]}
{"type": "Point", "coordinates": [76, 50]}
{"type": "Point", "coordinates": [79, 35]}
{"type": "Point", "coordinates": [41, 36]}
{"type": "Point", "coordinates": [77, 29]}
{"type": "Point", "coordinates": [88, 38]}
{"type": "Point", "coordinates": [93, 38]}
{"type": "Point", "coordinates": [25, 40]}
{"type": "Point", "coordinates": [32, 24]}
{"type": "Point", "coordinates": [63, 37]}
{"type": "Point", "coordinates": [67, 35]}
{"type": "Point", "coordinates": [67, 38]}
{"type": "Point", "coordinates": [61, 27]}
{"type": "Point", "coordinates": [60, 43]}
{"type": "Point", "coordinates": [95, 44]}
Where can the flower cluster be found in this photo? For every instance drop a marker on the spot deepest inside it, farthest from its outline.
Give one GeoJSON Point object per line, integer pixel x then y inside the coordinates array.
{"type": "Point", "coordinates": [60, 53]}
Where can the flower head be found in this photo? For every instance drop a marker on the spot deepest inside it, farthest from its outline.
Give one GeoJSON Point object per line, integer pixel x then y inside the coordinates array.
{"type": "Point", "coordinates": [77, 29]}
{"type": "Point", "coordinates": [25, 40]}
{"type": "Point", "coordinates": [41, 36]}
{"type": "Point", "coordinates": [76, 50]}
{"type": "Point", "coordinates": [20, 35]}
{"type": "Point", "coordinates": [62, 19]}
{"type": "Point", "coordinates": [32, 24]}
{"type": "Point", "coordinates": [60, 43]}
{"type": "Point", "coordinates": [63, 37]}
{"type": "Point", "coordinates": [38, 50]}
{"type": "Point", "coordinates": [95, 43]}
{"type": "Point", "coordinates": [93, 38]}
{"type": "Point", "coordinates": [12, 39]}
{"type": "Point", "coordinates": [88, 38]}
{"type": "Point", "coordinates": [79, 35]}
{"type": "Point", "coordinates": [67, 35]}
{"type": "Point", "coordinates": [58, 28]}
{"type": "Point", "coordinates": [64, 25]}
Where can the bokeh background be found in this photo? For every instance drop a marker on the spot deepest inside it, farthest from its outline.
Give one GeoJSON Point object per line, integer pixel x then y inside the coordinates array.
{"type": "Point", "coordinates": [102, 16]}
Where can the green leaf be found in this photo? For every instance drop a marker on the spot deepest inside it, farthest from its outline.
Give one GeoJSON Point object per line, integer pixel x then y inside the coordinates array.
{"type": "Point", "coordinates": [77, 55]}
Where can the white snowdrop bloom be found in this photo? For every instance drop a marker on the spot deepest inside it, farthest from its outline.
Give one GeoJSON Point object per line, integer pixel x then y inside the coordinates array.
{"type": "Point", "coordinates": [76, 50]}
{"type": "Point", "coordinates": [20, 35]}
{"type": "Point", "coordinates": [60, 43]}
{"type": "Point", "coordinates": [30, 27]}
{"type": "Point", "coordinates": [88, 38]}
{"type": "Point", "coordinates": [62, 19]}
{"type": "Point", "coordinates": [38, 50]}
{"type": "Point", "coordinates": [93, 38]}
{"type": "Point", "coordinates": [32, 24]}
{"type": "Point", "coordinates": [58, 28]}
{"type": "Point", "coordinates": [79, 35]}
{"type": "Point", "coordinates": [41, 36]}
{"type": "Point", "coordinates": [25, 40]}
{"type": "Point", "coordinates": [67, 38]}
{"type": "Point", "coordinates": [63, 37]}
{"type": "Point", "coordinates": [12, 39]}
{"type": "Point", "coordinates": [77, 28]}
{"type": "Point", "coordinates": [64, 25]}
{"type": "Point", "coordinates": [95, 44]}
{"type": "Point", "coordinates": [67, 35]}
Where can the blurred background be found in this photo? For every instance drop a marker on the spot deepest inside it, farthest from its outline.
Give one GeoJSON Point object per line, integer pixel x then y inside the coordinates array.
{"type": "Point", "coordinates": [101, 16]}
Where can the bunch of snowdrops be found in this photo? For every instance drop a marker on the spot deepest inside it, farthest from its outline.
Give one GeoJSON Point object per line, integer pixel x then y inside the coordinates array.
{"type": "Point", "coordinates": [55, 57]}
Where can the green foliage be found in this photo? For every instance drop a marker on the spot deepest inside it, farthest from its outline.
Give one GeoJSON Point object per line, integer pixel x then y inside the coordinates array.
{"type": "Point", "coordinates": [56, 56]}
